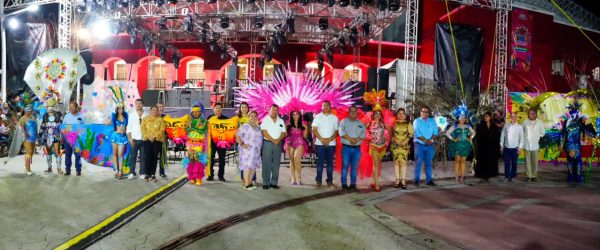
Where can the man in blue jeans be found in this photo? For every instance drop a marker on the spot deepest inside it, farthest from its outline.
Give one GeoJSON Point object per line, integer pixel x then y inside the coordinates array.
{"type": "Point", "coordinates": [72, 118]}
{"type": "Point", "coordinates": [511, 143]}
{"type": "Point", "coordinates": [352, 133]}
{"type": "Point", "coordinates": [325, 127]}
{"type": "Point", "coordinates": [425, 131]}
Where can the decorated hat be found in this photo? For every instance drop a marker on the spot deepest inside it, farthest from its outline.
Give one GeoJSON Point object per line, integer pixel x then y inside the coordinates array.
{"type": "Point", "coordinates": [461, 111]}
{"type": "Point", "coordinates": [118, 97]}
{"type": "Point", "coordinates": [377, 99]}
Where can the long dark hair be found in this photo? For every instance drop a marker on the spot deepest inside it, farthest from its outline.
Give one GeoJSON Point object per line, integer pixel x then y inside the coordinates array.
{"type": "Point", "coordinates": [299, 125]}
{"type": "Point", "coordinates": [239, 113]}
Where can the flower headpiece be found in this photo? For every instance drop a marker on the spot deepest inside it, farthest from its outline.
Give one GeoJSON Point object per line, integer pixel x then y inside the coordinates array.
{"type": "Point", "coordinates": [376, 99]}
{"type": "Point", "coordinates": [461, 111]}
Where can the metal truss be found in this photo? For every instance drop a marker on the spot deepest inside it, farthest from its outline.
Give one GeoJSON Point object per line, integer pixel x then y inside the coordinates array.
{"type": "Point", "coordinates": [580, 15]}
{"type": "Point", "coordinates": [488, 4]}
{"type": "Point", "coordinates": [405, 92]}
{"type": "Point", "coordinates": [500, 58]}
{"type": "Point", "coordinates": [64, 23]}
{"type": "Point", "coordinates": [10, 5]}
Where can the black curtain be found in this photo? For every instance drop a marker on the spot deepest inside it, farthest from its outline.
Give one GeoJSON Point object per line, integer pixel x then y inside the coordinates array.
{"type": "Point", "coordinates": [469, 48]}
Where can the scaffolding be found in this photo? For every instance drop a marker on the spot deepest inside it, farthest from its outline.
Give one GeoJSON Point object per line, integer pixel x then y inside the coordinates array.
{"type": "Point", "coordinates": [405, 92]}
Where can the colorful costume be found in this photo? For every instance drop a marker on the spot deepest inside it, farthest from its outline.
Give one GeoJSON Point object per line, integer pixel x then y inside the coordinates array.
{"type": "Point", "coordinates": [118, 137]}
{"type": "Point", "coordinates": [377, 144]}
{"type": "Point", "coordinates": [296, 139]}
{"type": "Point", "coordinates": [573, 124]}
{"type": "Point", "coordinates": [461, 132]}
{"type": "Point", "coordinates": [29, 126]}
{"type": "Point", "coordinates": [196, 143]}
{"type": "Point", "coordinates": [49, 135]}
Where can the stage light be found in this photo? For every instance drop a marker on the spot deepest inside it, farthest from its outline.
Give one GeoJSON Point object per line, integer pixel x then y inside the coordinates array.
{"type": "Point", "coordinates": [323, 23]}
{"type": "Point", "coordinates": [292, 1]}
{"type": "Point", "coordinates": [187, 24]}
{"type": "Point", "coordinates": [83, 34]}
{"type": "Point", "coordinates": [330, 55]}
{"type": "Point", "coordinates": [366, 29]}
{"type": "Point", "coordinates": [304, 2]}
{"type": "Point", "coordinates": [213, 45]}
{"type": "Point", "coordinates": [162, 52]}
{"type": "Point", "coordinates": [281, 39]}
{"type": "Point", "coordinates": [259, 22]}
{"type": "Point", "coordinates": [202, 36]}
{"type": "Point", "coordinates": [91, 5]}
{"type": "Point", "coordinates": [147, 43]}
{"type": "Point", "coordinates": [135, 3]}
{"type": "Point", "coordinates": [110, 4]}
{"type": "Point", "coordinates": [211, 1]}
{"type": "Point", "coordinates": [173, 2]}
{"type": "Point", "coordinates": [394, 5]}
{"type": "Point", "coordinates": [224, 22]}
{"type": "Point", "coordinates": [356, 3]}
{"type": "Point", "coordinates": [382, 5]}
{"type": "Point", "coordinates": [290, 25]}
{"type": "Point", "coordinates": [175, 58]}
{"type": "Point", "coordinates": [330, 3]}
{"type": "Point", "coordinates": [250, 1]}
{"type": "Point", "coordinates": [344, 3]}
{"type": "Point", "coordinates": [162, 23]}
{"type": "Point", "coordinates": [159, 3]}
{"type": "Point", "coordinates": [123, 4]}
{"type": "Point", "coordinates": [353, 37]}
{"type": "Point", "coordinates": [224, 55]}
{"type": "Point", "coordinates": [268, 55]}
{"type": "Point", "coordinates": [101, 29]}
{"type": "Point", "coordinates": [33, 8]}
{"type": "Point", "coordinates": [80, 8]}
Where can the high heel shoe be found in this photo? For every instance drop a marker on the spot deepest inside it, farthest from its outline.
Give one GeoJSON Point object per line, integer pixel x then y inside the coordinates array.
{"type": "Point", "coordinates": [397, 184]}
{"type": "Point", "coordinates": [403, 184]}
{"type": "Point", "coordinates": [377, 188]}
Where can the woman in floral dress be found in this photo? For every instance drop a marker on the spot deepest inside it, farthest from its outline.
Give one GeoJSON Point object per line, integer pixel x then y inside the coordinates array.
{"type": "Point", "coordinates": [249, 138]}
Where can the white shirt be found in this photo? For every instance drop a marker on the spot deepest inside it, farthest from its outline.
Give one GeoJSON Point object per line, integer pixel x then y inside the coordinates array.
{"type": "Point", "coordinates": [512, 136]}
{"type": "Point", "coordinates": [273, 128]}
{"type": "Point", "coordinates": [534, 130]}
{"type": "Point", "coordinates": [326, 125]}
{"type": "Point", "coordinates": [134, 125]}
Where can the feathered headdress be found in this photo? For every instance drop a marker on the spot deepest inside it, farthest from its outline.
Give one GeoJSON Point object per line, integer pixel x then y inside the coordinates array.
{"type": "Point", "coordinates": [118, 97]}
{"type": "Point", "coordinates": [376, 99]}
{"type": "Point", "coordinates": [461, 111]}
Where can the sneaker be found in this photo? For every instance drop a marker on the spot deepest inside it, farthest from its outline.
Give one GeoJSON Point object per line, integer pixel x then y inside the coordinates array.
{"type": "Point", "coordinates": [251, 187]}
{"type": "Point", "coordinates": [142, 176]}
{"type": "Point", "coordinates": [67, 173]}
{"type": "Point", "coordinates": [331, 186]}
{"type": "Point", "coordinates": [431, 183]}
{"type": "Point", "coordinates": [352, 187]}
{"type": "Point", "coordinates": [163, 175]}
{"type": "Point", "coordinates": [504, 180]}
{"type": "Point", "coordinates": [318, 185]}
{"type": "Point", "coordinates": [131, 176]}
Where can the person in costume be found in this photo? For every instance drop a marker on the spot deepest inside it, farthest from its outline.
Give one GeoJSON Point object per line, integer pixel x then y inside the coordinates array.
{"type": "Point", "coordinates": [377, 145]}
{"type": "Point", "coordinates": [153, 133]}
{"type": "Point", "coordinates": [196, 145]}
{"type": "Point", "coordinates": [403, 132]}
{"type": "Point", "coordinates": [295, 145]}
{"type": "Point", "coordinates": [573, 125]}
{"type": "Point", "coordinates": [462, 135]}
{"type": "Point", "coordinates": [29, 128]}
{"type": "Point", "coordinates": [487, 141]}
{"type": "Point", "coordinates": [249, 138]}
{"type": "Point", "coordinates": [74, 117]}
{"type": "Point", "coordinates": [119, 121]}
{"type": "Point", "coordinates": [50, 135]}
{"type": "Point", "coordinates": [352, 133]}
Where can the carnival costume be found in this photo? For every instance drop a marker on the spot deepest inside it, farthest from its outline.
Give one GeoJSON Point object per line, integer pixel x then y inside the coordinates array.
{"type": "Point", "coordinates": [50, 134]}
{"type": "Point", "coordinates": [196, 146]}
{"type": "Point", "coordinates": [573, 124]}
{"type": "Point", "coordinates": [29, 129]}
{"type": "Point", "coordinates": [461, 133]}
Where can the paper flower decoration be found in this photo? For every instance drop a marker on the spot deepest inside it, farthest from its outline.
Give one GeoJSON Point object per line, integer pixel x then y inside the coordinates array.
{"type": "Point", "coordinates": [55, 70]}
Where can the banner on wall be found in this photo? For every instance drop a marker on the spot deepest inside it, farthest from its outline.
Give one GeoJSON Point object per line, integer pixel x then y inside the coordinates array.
{"type": "Point", "coordinates": [521, 45]}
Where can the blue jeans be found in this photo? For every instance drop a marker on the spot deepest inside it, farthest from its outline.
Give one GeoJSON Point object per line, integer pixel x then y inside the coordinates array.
{"type": "Point", "coordinates": [511, 156]}
{"type": "Point", "coordinates": [350, 158]}
{"type": "Point", "coordinates": [325, 155]}
{"type": "Point", "coordinates": [423, 154]}
{"type": "Point", "coordinates": [69, 152]}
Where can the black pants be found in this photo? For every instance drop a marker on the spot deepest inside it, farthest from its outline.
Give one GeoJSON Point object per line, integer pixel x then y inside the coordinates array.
{"type": "Point", "coordinates": [222, 152]}
{"type": "Point", "coordinates": [151, 151]}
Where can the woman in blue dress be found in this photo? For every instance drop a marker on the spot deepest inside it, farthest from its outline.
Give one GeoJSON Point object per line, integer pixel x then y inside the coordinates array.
{"type": "Point", "coordinates": [118, 138]}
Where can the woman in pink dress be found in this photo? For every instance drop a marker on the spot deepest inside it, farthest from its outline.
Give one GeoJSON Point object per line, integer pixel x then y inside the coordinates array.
{"type": "Point", "coordinates": [295, 144]}
{"type": "Point", "coordinates": [249, 138]}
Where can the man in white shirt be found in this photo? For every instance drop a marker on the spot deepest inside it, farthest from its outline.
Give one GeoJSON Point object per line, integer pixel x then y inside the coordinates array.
{"type": "Point", "coordinates": [511, 142]}
{"type": "Point", "coordinates": [74, 117]}
{"type": "Point", "coordinates": [273, 130]}
{"type": "Point", "coordinates": [533, 129]}
{"type": "Point", "coordinates": [134, 134]}
{"type": "Point", "coordinates": [325, 128]}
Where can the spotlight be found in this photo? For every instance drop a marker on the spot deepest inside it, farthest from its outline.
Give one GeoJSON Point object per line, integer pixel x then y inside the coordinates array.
{"type": "Point", "coordinates": [147, 43]}
{"type": "Point", "coordinates": [83, 34]}
{"type": "Point", "coordinates": [259, 22]}
{"type": "Point", "coordinates": [330, 3]}
{"type": "Point", "coordinates": [101, 29]}
{"type": "Point", "coordinates": [353, 37]}
{"type": "Point", "coordinates": [187, 24]}
{"type": "Point", "coordinates": [175, 58]}
{"type": "Point", "coordinates": [159, 3]}
{"type": "Point", "coordinates": [290, 24]}
{"type": "Point", "coordinates": [80, 8]}
{"type": "Point", "coordinates": [394, 5]}
{"type": "Point", "coordinates": [330, 55]}
{"type": "Point", "coordinates": [162, 23]}
{"type": "Point", "coordinates": [224, 55]}
{"type": "Point", "coordinates": [135, 3]}
{"type": "Point", "coordinates": [304, 2]}
{"type": "Point", "coordinates": [356, 3]}
{"type": "Point", "coordinates": [366, 29]}
{"type": "Point", "coordinates": [250, 1]}
{"type": "Point", "coordinates": [382, 5]}
{"type": "Point", "coordinates": [33, 8]}
{"type": "Point", "coordinates": [281, 39]}
{"type": "Point", "coordinates": [173, 2]}
{"type": "Point", "coordinates": [224, 22]}
{"type": "Point", "coordinates": [110, 4]}
{"type": "Point", "coordinates": [91, 5]}
{"type": "Point", "coordinates": [13, 23]}
{"type": "Point", "coordinates": [323, 23]}
{"type": "Point", "coordinates": [213, 45]}
{"type": "Point", "coordinates": [202, 36]}
{"type": "Point", "coordinates": [123, 4]}
{"type": "Point", "coordinates": [268, 55]}
{"type": "Point", "coordinates": [162, 52]}
{"type": "Point", "coordinates": [344, 3]}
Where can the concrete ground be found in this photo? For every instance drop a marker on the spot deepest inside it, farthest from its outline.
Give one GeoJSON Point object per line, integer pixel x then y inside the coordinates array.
{"type": "Point", "coordinates": [45, 210]}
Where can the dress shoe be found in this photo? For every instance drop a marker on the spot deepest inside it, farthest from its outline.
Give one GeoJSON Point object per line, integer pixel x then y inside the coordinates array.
{"type": "Point", "coordinates": [210, 178]}
{"type": "Point", "coordinates": [318, 185]}
{"type": "Point", "coordinates": [265, 186]}
{"type": "Point", "coordinates": [67, 173]}
{"type": "Point", "coordinates": [352, 187]}
{"type": "Point", "coordinates": [222, 179]}
{"type": "Point", "coordinates": [431, 183]}
{"type": "Point", "coordinates": [274, 187]}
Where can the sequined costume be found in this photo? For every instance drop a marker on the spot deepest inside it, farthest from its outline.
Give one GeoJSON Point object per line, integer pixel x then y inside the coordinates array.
{"type": "Point", "coordinates": [403, 131]}
{"type": "Point", "coordinates": [463, 146]}
{"type": "Point", "coordinates": [196, 144]}
{"type": "Point", "coordinates": [573, 124]}
{"type": "Point", "coordinates": [49, 135]}
{"type": "Point", "coordinates": [118, 137]}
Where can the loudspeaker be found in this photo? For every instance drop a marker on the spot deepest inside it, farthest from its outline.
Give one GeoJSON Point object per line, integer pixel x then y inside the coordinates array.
{"type": "Point", "coordinates": [230, 80]}
{"type": "Point", "coordinates": [384, 79]}
{"type": "Point", "coordinates": [371, 79]}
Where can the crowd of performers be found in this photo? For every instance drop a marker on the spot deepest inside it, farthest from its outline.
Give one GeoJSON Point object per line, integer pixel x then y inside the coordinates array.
{"type": "Point", "coordinates": [260, 143]}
